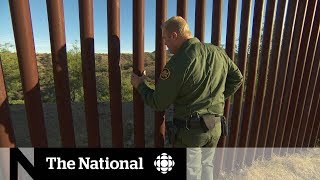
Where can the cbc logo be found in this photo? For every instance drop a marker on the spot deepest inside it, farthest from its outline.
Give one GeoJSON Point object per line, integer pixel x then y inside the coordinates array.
{"type": "Point", "coordinates": [164, 163]}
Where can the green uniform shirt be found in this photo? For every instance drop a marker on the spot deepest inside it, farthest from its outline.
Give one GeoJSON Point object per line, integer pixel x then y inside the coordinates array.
{"type": "Point", "coordinates": [197, 79]}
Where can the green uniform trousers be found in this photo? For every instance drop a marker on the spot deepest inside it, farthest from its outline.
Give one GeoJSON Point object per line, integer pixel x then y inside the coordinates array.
{"type": "Point", "coordinates": [200, 150]}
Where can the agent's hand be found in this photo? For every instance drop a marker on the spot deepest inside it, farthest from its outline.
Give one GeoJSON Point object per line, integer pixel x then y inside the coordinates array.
{"type": "Point", "coordinates": [137, 80]}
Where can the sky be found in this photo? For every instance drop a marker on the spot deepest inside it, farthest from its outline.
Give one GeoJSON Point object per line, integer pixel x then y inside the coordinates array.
{"type": "Point", "coordinates": [41, 29]}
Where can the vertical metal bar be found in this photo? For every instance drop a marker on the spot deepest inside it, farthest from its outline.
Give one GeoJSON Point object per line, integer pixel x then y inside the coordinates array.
{"type": "Point", "coordinates": [160, 56]}
{"type": "Point", "coordinates": [316, 128]}
{"type": "Point", "coordinates": [22, 28]}
{"type": "Point", "coordinates": [263, 74]}
{"type": "Point", "coordinates": [268, 125]}
{"type": "Point", "coordinates": [315, 101]}
{"type": "Point", "coordinates": [317, 134]}
{"type": "Point", "coordinates": [316, 131]}
{"type": "Point", "coordinates": [200, 19]}
{"type": "Point", "coordinates": [114, 72]}
{"type": "Point", "coordinates": [284, 57]}
{"type": "Point", "coordinates": [216, 40]}
{"type": "Point", "coordinates": [300, 65]}
{"type": "Point", "coordinates": [60, 71]}
{"type": "Point", "coordinates": [138, 68]}
{"type": "Point", "coordinates": [88, 71]}
{"type": "Point", "coordinates": [216, 22]}
{"type": "Point", "coordinates": [306, 84]}
{"type": "Point", "coordinates": [230, 48]}
{"type": "Point", "coordinates": [316, 95]}
{"type": "Point", "coordinates": [7, 138]}
{"type": "Point", "coordinates": [242, 61]}
{"type": "Point", "coordinates": [216, 37]}
{"type": "Point", "coordinates": [182, 8]}
{"type": "Point", "coordinates": [288, 99]}
{"type": "Point", "coordinates": [253, 66]}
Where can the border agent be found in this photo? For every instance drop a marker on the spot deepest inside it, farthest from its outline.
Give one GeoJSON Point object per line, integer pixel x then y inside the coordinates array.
{"type": "Point", "coordinates": [197, 80]}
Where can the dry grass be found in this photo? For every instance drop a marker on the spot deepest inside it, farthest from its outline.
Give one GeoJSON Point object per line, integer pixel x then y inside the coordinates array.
{"type": "Point", "coordinates": [304, 165]}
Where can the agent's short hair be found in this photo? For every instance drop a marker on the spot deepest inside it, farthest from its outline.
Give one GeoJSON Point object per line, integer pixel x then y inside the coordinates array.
{"type": "Point", "coordinates": [177, 24]}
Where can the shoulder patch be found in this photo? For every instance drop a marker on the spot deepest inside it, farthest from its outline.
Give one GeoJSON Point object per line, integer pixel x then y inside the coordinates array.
{"type": "Point", "coordinates": [165, 74]}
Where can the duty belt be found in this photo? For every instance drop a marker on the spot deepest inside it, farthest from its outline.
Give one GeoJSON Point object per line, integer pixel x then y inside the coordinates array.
{"type": "Point", "coordinates": [197, 122]}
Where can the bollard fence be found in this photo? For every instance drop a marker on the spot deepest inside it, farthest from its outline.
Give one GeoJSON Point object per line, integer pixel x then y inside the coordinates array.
{"type": "Point", "coordinates": [278, 106]}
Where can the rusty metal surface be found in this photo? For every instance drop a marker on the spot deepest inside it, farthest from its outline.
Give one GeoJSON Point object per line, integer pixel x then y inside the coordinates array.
{"type": "Point", "coordinates": [268, 125]}
{"type": "Point", "coordinates": [7, 138]}
{"type": "Point", "coordinates": [314, 112]}
{"type": "Point", "coordinates": [216, 22]}
{"type": "Point", "coordinates": [22, 28]}
{"type": "Point", "coordinates": [230, 48]}
{"type": "Point", "coordinates": [182, 9]}
{"type": "Point", "coordinates": [60, 71]}
{"type": "Point", "coordinates": [306, 85]}
{"type": "Point", "coordinates": [200, 17]}
{"type": "Point", "coordinates": [160, 56]}
{"type": "Point", "coordinates": [261, 134]}
{"type": "Point", "coordinates": [138, 68]}
{"type": "Point", "coordinates": [284, 57]}
{"type": "Point", "coordinates": [301, 59]}
{"type": "Point", "coordinates": [115, 72]}
{"type": "Point", "coordinates": [88, 71]}
{"type": "Point", "coordinates": [242, 61]}
{"type": "Point", "coordinates": [253, 67]}
{"type": "Point", "coordinates": [316, 129]}
{"type": "Point", "coordinates": [216, 40]}
{"type": "Point", "coordinates": [298, 29]}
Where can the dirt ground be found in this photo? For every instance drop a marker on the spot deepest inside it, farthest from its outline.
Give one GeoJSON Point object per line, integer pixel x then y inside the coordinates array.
{"type": "Point", "coordinates": [20, 125]}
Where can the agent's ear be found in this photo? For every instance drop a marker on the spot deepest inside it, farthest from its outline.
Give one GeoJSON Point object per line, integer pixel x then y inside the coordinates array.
{"type": "Point", "coordinates": [174, 35]}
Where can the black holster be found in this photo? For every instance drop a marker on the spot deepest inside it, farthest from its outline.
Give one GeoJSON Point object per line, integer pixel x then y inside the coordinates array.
{"type": "Point", "coordinates": [224, 127]}
{"type": "Point", "coordinates": [172, 131]}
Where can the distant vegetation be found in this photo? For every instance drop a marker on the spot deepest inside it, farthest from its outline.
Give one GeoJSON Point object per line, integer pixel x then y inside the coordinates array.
{"type": "Point", "coordinates": [12, 78]}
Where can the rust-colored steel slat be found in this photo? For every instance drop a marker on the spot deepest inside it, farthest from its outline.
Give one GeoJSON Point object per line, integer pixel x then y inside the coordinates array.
{"type": "Point", "coordinates": [268, 125]}
{"type": "Point", "coordinates": [216, 40]}
{"type": "Point", "coordinates": [22, 28]}
{"type": "Point", "coordinates": [160, 56]}
{"type": "Point", "coordinates": [282, 69]}
{"type": "Point", "coordinates": [242, 61]}
{"type": "Point", "coordinates": [138, 68]}
{"type": "Point", "coordinates": [313, 100]}
{"type": "Point", "coordinates": [182, 9]}
{"type": "Point", "coordinates": [287, 97]}
{"type": "Point", "coordinates": [252, 75]}
{"type": "Point", "coordinates": [216, 22]}
{"type": "Point", "coordinates": [315, 104]}
{"type": "Point", "coordinates": [60, 71]}
{"type": "Point", "coordinates": [230, 50]}
{"type": "Point", "coordinates": [266, 58]}
{"type": "Point", "coordinates": [252, 70]}
{"type": "Point", "coordinates": [200, 17]}
{"type": "Point", "coordinates": [298, 75]}
{"type": "Point", "coordinates": [306, 85]}
{"type": "Point", "coordinates": [7, 138]}
{"type": "Point", "coordinates": [88, 71]}
{"type": "Point", "coordinates": [238, 96]}
{"type": "Point", "coordinates": [115, 72]}
{"type": "Point", "coordinates": [316, 130]}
